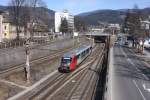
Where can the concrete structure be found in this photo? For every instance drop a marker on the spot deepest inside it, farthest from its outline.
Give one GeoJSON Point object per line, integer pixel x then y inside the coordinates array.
{"type": "Point", "coordinates": [59, 16]}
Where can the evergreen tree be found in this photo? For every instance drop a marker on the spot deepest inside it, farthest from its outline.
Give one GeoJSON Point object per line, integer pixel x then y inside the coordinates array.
{"type": "Point", "coordinates": [64, 26]}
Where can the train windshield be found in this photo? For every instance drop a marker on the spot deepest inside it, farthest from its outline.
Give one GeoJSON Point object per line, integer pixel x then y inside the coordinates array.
{"type": "Point", "coordinates": [66, 61]}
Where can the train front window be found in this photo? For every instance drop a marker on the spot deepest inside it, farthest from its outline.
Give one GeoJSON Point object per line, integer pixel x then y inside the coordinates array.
{"type": "Point", "coordinates": [66, 61]}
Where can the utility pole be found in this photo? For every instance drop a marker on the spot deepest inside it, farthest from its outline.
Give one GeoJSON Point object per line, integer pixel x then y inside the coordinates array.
{"type": "Point", "coordinates": [27, 66]}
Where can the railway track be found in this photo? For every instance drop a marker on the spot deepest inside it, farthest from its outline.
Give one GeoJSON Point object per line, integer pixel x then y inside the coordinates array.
{"type": "Point", "coordinates": [84, 88]}
{"type": "Point", "coordinates": [79, 89]}
{"type": "Point", "coordinates": [47, 57]}
{"type": "Point", "coordinates": [59, 80]}
{"type": "Point", "coordinates": [52, 89]}
{"type": "Point", "coordinates": [89, 84]}
{"type": "Point", "coordinates": [48, 86]}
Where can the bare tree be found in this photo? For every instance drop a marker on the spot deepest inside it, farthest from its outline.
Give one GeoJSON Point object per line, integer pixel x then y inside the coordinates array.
{"type": "Point", "coordinates": [80, 24]}
{"type": "Point", "coordinates": [25, 17]}
{"type": "Point", "coordinates": [30, 21]}
{"type": "Point", "coordinates": [16, 11]}
{"type": "Point", "coordinates": [133, 25]}
{"type": "Point", "coordinates": [34, 6]}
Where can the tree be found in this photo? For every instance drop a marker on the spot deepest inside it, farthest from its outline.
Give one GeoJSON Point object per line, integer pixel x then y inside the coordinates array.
{"type": "Point", "coordinates": [132, 25]}
{"type": "Point", "coordinates": [25, 17]}
{"type": "Point", "coordinates": [80, 25]}
{"type": "Point", "coordinates": [64, 26]}
{"type": "Point", "coordinates": [31, 5]}
{"type": "Point", "coordinates": [46, 19]}
{"type": "Point", "coordinates": [125, 26]}
{"type": "Point", "coordinates": [16, 10]}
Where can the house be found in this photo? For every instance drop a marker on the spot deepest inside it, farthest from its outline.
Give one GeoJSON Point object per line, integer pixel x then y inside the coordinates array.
{"type": "Point", "coordinates": [8, 28]}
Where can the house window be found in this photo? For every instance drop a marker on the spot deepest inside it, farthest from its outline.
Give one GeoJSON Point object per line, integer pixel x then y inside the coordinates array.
{"type": "Point", "coordinates": [5, 34]}
{"type": "Point", "coordinates": [5, 27]}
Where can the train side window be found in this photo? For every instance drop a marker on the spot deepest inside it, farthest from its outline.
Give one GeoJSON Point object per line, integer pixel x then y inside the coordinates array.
{"type": "Point", "coordinates": [82, 54]}
{"type": "Point", "coordinates": [88, 50]}
{"type": "Point", "coordinates": [79, 56]}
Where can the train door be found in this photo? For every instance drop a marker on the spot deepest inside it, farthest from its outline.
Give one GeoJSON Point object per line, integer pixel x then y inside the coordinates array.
{"type": "Point", "coordinates": [73, 63]}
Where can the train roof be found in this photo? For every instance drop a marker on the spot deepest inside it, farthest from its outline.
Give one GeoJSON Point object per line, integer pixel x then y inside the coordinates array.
{"type": "Point", "coordinates": [76, 51]}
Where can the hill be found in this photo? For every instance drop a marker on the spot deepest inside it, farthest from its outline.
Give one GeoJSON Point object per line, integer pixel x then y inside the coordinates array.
{"type": "Point", "coordinates": [109, 16]}
{"type": "Point", "coordinates": [39, 13]}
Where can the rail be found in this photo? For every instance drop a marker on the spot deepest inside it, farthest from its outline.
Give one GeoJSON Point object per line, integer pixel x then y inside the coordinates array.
{"type": "Point", "coordinates": [52, 86]}
{"type": "Point", "coordinates": [40, 59]}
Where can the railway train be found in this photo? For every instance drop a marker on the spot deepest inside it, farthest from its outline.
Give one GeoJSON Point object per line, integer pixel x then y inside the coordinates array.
{"type": "Point", "coordinates": [72, 59]}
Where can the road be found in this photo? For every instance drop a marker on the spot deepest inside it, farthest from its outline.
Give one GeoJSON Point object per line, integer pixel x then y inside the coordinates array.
{"type": "Point", "coordinates": [129, 75]}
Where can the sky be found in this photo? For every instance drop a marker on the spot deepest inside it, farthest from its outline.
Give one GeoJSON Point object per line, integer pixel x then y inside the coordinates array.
{"type": "Point", "coordinates": [80, 6]}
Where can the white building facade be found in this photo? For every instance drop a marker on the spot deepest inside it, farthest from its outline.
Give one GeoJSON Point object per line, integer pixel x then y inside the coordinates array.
{"type": "Point", "coordinates": [61, 15]}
